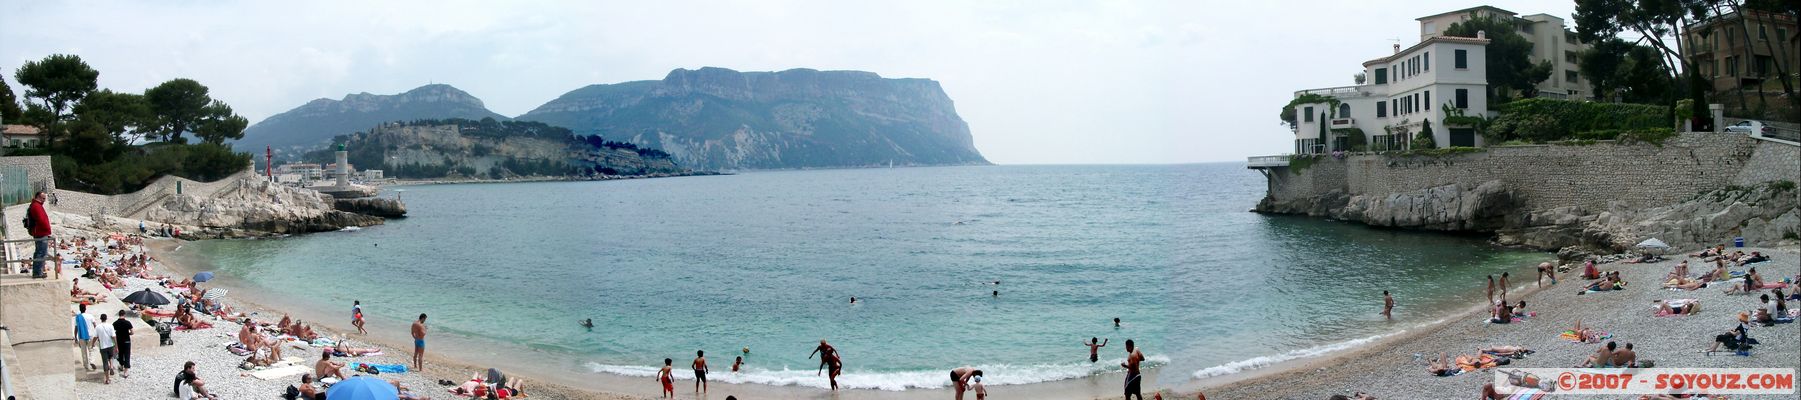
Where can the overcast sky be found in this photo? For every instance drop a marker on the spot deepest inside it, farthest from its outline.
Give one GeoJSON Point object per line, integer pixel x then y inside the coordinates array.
{"type": "Point", "coordinates": [1039, 82]}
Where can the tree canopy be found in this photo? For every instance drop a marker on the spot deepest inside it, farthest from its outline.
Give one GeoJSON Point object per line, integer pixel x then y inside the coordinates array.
{"type": "Point", "coordinates": [1508, 55]}
{"type": "Point", "coordinates": [1654, 21]}
{"type": "Point", "coordinates": [58, 81]}
{"type": "Point", "coordinates": [179, 105]}
{"type": "Point", "coordinates": [1626, 72]}
{"type": "Point", "coordinates": [9, 105]}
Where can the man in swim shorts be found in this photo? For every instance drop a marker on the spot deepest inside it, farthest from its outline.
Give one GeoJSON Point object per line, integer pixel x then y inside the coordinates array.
{"type": "Point", "coordinates": [1133, 377]}
{"type": "Point", "coordinates": [664, 376]}
{"type": "Point", "coordinates": [419, 343]}
{"type": "Point", "coordinates": [1388, 305]}
{"type": "Point", "coordinates": [700, 370]}
{"type": "Point", "coordinates": [1094, 347]}
{"type": "Point", "coordinates": [960, 379]}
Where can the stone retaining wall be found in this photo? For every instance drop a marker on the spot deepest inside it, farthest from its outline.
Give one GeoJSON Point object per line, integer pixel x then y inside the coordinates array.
{"type": "Point", "coordinates": [1590, 176]}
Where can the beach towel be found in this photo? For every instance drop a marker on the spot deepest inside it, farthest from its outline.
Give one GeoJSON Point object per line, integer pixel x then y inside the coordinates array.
{"type": "Point", "coordinates": [1527, 394]}
{"type": "Point", "coordinates": [238, 349]}
{"type": "Point", "coordinates": [387, 368]}
{"type": "Point", "coordinates": [280, 372]}
{"type": "Point", "coordinates": [1572, 336]}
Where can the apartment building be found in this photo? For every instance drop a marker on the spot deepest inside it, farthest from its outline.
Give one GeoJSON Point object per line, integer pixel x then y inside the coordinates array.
{"type": "Point", "coordinates": [1551, 41]}
{"type": "Point", "coordinates": [1733, 51]}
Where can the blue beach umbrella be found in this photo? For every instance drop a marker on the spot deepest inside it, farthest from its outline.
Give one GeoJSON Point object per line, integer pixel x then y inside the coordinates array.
{"type": "Point", "coordinates": [203, 276]}
{"type": "Point", "coordinates": [362, 388]}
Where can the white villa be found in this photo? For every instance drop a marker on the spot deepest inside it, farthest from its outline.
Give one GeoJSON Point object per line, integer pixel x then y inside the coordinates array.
{"type": "Point", "coordinates": [1402, 92]}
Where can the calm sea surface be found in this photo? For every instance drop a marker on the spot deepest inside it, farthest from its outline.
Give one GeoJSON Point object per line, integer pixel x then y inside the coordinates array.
{"type": "Point", "coordinates": [769, 261]}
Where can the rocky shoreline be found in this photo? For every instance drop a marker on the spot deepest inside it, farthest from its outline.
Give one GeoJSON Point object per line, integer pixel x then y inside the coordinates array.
{"type": "Point", "coordinates": [1765, 214]}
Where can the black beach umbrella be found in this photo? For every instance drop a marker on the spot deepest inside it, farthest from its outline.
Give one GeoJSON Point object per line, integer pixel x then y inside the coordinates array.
{"type": "Point", "coordinates": [495, 376]}
{"type": "Point", "coordinates": [146, 297]}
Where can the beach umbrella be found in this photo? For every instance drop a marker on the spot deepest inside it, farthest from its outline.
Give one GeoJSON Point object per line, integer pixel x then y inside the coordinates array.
{"type": "Point", "coordinates": [146, 297]}
{"type": "Point", "coordinates": [362, 388]}
{"type": "Point", "coordinates": [214, 294]}
{"type": "Point", "coordinates": [1653, 243]}
{"type": "Point", "coordinates": [495, 376]}
{"type": "Point", "coordinates": [203, 276]}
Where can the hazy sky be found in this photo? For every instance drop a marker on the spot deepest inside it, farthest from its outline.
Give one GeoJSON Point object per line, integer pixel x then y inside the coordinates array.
{"type": "Point", "coordinates": [1038, 81]}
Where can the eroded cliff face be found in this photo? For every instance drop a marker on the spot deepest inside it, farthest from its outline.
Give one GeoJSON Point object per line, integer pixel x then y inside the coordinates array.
{"type": "Point", "coordinates": [254, 208]}
{"type": "Point", "coordinates": [1763, 215]}
{"type": "Point", "coordinates": [715, 118]}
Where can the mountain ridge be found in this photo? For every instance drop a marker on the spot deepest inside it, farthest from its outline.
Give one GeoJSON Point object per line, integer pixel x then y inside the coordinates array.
{"type": "Point", "coordinates": [316, 122]}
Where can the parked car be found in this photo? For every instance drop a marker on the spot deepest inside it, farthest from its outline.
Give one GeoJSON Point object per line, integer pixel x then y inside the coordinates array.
{"type": "Point", "coordinates": [1749, 126]}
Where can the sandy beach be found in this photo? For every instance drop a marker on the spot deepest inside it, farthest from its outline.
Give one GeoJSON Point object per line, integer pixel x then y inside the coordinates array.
{"type": "Point", "coordinates": [1391, 369]}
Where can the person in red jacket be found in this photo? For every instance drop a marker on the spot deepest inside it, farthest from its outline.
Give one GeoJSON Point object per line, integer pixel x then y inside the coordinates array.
{"type": "Point", "coordinates": [38, 222]}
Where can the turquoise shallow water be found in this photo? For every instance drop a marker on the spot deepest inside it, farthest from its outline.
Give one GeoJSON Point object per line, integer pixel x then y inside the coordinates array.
{"type": "Point", "coordinates": [769, 261]}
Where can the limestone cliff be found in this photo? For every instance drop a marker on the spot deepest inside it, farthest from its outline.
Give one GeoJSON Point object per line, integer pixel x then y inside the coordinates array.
{"type": "Point", "coordinates": [1764, 215]}
{"type": "Point", "coordinates": [716, 118]}
{"type": "Point", "coordinates": [489, 149]}
{"type": "Point", "coordinates": [256, 207]}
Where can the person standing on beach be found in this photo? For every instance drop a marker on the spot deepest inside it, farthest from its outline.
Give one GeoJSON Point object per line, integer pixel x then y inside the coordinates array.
{"type": "Point", "coordinates": [356, 316]}
{"type": "Point", "coordinates": [38, 223]}
{"type": "Point", "coordinates": [700, 370]}
{"type": "Point", "coordinates": [84, 335]}
{"type": "Point", "coordinates": [419, 342]}
{"type": "Point", "coordinates": [1503, 287]}
{"type": "Point", "coordinates": [1134, 378]}
{"type": "Point", "coordinates": [828, 357]}
{"type": "Point", "coordinates": [1491, 290]}
{"type": "Point", "coordinates": [1094, 347]}
{"type": "Point", "coordinates": [960, 378]}
{"type": "Point", "coordinates": [665, 376]}
{"type": "Point", "coordinates": [122, 345]}
{"type": "Point", "coordinates": [1388, 305]}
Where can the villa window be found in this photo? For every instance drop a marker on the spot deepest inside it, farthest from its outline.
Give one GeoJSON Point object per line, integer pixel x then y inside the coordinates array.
{"type": "Point", "coordinates": [1569, 56]}
{"type": "Point", "coordinates": [1416, 102]}
{"type": "Point", "coordinates": [1761, 33]}
{"type": "Point", "coordinates": [1460, 59]}
{"type": "Point", "coordinates": [1569, 75]}
{"type": "Point", "coordinates": [1344, 110]}
{"type": "Point", "coordinates": [1427, 56]}
{"type": "Point", "coordinates": [1381, 109]}
{"type": "Point", "coordinates": [1307, 114]}
{"type": "Point", "coordinates": [1462, 99]}
{"type": "Point", "coordinates": [1381, 76]}
{"type": "Point", "coordinates": [1428, 100]}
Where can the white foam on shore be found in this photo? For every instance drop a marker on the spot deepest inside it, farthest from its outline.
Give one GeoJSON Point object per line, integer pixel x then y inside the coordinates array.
{"type": "Point", "coordinates": [995, 374]}
{"type": "Point", "coordinates": [1265, 361]}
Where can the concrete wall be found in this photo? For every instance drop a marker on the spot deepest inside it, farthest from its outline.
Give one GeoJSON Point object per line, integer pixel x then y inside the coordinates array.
{"type": "Point", "coordinates": [1551, 176]}
{"type": "Point", "coordinates": [37, 166]}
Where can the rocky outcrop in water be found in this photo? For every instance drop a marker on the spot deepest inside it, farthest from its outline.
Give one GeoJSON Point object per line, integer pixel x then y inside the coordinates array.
{"type": "Point", "coordinates": [716, 118]}
{"type": "Point", "coordinates": [380, 207]}
{"type": "Point", "coordinates": [1452, 207]}
{"type": "Point", "coordinates": [256, 207]}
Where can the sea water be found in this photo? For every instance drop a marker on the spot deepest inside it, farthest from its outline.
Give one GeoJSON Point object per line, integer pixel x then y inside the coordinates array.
{"type": "Point", "coordinates": [768, 261]}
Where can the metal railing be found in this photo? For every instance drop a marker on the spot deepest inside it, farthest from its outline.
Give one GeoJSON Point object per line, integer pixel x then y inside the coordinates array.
{"type": "Point", "coordinates": [1267, 161]}
{"type": "Point", "coordinates": [1388, 142]}
{"type": "Point", "coordinates": [1309, 146]}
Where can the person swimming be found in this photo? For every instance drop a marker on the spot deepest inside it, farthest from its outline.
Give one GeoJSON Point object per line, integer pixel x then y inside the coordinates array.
{"type": "Point", "coordinates": [588, 323]}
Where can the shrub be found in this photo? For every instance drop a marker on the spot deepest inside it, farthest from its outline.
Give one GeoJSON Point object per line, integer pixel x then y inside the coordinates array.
{"type": "Point", "coordinates": [1299, 162]}
{"type": "Point", "coordinates": [1543, 120]}
{"type": "Point", "coordinates": [137, 167]}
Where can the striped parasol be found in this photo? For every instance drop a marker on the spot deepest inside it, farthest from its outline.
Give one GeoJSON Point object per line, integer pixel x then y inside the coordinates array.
{"type": "Point", "coordinates": [214, 294]}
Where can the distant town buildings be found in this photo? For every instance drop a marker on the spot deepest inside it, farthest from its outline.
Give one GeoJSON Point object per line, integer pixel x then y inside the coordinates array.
{"type": "Point", "coordinates": [1735, 52]}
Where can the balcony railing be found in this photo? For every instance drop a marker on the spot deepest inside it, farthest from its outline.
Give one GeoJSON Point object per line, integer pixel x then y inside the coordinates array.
{"type": "Point", "coordinates": [1267, 161]}
{"type": "Point", "coordinates": [1388, 142]}
{"type": "Point", "coordinates": [1309, 146]}
{"type": "Point", "coordinates": [1341, 91]}
{"type": "Point", "coordinates": [1343, 123]}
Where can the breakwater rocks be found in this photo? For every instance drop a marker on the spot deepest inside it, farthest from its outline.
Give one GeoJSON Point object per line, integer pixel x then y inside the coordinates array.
{"type": "Point", "coordinates": [1694, 190]}
{"type": "Point", "coordinates": [256, 208]}
{"type": "Point", "coordinates": [380, 207]}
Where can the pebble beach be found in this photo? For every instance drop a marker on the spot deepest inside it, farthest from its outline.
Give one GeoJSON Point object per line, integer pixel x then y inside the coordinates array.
{"type": "Point", "coordinates": [1394, 369]}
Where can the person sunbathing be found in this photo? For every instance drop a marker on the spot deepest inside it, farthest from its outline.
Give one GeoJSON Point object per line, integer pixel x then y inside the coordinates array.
{"type": "Point", "coordinates": [285, 322]}
{"type": "Point", "coordinates": [1687, 284]}
{"type": "Point", "coordinates": [344, 348]}
{"type": "Point", "coordinates": [1677, 307]}
{"type": "Point", "coordinates": [1508, 351]}
{"type": "Point", "coordinates": [301, 331]}
{"type": "Point", "coordinates": [1680, 272]}
{"type": "Point", "coordinates": [1755, 257]}
{"type": "Point", "coordinates": [1587, 335]}
{"type": "Point", "coordinates": [1443, 366]}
